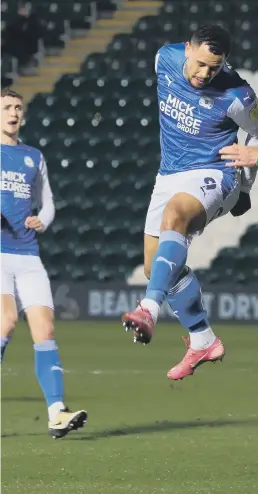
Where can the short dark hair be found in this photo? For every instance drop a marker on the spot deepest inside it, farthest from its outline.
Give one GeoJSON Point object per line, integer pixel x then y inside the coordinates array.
{"type": "Point", "coordinates": [216, 37]}
{"type": "Point", "coordinates": [6, 91]}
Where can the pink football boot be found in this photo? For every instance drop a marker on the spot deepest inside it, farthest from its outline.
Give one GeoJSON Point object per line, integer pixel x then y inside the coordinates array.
{"type": "Point", "coordinates": [195, 358]}
{"type": "Point", "coordinates": [141, 323]}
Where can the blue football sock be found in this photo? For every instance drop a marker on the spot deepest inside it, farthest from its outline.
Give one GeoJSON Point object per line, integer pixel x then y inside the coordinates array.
{"type": "Point", "coordinates": [167, 265]}
{"type": "Point", "coordinates": [49, 371]}
{"type": "Point", "coordinates": [185, 299]}
{"type": "Point", "coordinates": [4, 342]}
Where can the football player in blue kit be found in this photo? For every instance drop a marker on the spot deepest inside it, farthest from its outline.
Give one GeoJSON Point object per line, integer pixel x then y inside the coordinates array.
{"type": "Point", "coordinates": [202, 104]}
{"type": "Point", "coordinates": [25, 285]}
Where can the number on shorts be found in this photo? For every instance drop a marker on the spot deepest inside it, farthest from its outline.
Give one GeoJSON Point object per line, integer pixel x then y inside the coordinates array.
{"type": "Point", "coordinates": [210, 183]}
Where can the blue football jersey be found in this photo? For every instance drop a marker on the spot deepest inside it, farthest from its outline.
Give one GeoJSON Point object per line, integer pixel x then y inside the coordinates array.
{"type": "Point", "coordinates": [23, 181]}
{"type": "Point", "coordinates": [196, 123]}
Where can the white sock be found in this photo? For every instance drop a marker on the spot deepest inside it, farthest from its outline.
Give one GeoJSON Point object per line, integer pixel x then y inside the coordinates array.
{"type": "Point", "coordinates": [152, 306]}
{"type": "Point", "coordinates": [202, 339]}
{"type": "Point", "coordinates": [54, 410]}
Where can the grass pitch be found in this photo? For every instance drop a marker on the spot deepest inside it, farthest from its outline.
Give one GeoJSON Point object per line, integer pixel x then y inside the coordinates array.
{"type": "Point", "coordinates": [144, 434]}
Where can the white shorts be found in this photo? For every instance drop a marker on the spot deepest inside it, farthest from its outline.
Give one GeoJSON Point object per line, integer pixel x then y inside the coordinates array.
{"type": "Point", "coordinates": [25, 278]}
{"type": "Point", "coordinates": [206, 185]}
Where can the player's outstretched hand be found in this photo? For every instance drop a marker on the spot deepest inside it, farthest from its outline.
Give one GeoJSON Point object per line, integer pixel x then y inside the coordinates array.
{"type": "Point", "coordinates": [35, 223]}
{"type": "Point", "coordinates": [240, 155]}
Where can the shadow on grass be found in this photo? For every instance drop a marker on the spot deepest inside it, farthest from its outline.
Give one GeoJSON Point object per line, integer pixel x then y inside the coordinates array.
{"type": "Point", "coordinates": [164, 426]}
{"type": "Point", "coordinates": [127, 430]}
{"type": "Point", "coordinates": [18, 434]}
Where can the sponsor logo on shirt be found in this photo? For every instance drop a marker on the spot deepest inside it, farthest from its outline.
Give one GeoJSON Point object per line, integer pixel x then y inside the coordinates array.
{"type": "Point", "coordinates": [15, 182]}
{"type": "Point", "coordinates": [182, 112]}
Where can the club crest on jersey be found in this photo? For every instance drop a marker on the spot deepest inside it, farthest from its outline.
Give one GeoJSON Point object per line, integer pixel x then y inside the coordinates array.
{"type": "Point", "coordinates": [206, 102]}
{"type": "Point", "coordinates": [28, 161]}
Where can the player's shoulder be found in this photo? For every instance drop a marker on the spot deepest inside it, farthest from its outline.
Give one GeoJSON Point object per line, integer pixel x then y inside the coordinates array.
{"type": "Point", "coordinates": [170, 55]}
{"type": "Point", "coordinates": [26, 148]}
{"type": "Point", "coordinates": [176, 49]}
{"type": "Point", "coordinates": [235, 86]}
{"type": "Point", "coordinates": [32, 154]}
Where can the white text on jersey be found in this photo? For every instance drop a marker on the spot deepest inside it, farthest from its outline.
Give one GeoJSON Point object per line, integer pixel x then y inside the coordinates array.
{"type": "Point", "coordinates": [182, 112]}
{"type": "Point", "coordinates": [15, 182]}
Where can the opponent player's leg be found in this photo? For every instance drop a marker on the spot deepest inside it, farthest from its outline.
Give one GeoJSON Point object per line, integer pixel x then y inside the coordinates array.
{"type": "Point", "coordinates": [183, 214]}
{"type": "Point", "coordinates": [35, 296]}
{"type": "Point", "coordinates": [9, 314]}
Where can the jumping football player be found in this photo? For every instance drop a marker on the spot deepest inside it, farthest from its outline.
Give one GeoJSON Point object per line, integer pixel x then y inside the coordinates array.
{"type": "Point", "coordinates": [25, 285]}
{"type": "Point", "coordinates": [202, 104]}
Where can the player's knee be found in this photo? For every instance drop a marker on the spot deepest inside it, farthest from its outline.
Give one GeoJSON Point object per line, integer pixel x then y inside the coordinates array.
{"type": "Point", "coordinates": [174, 219]}
{"type": "Point", "coordinates": [9, 321]}
{"type": "Point", "coordinates": [43, 332]}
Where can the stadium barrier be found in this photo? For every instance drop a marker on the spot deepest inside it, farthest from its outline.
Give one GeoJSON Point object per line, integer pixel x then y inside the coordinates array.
{"type": "Point", "coordinates": [84, 301]}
